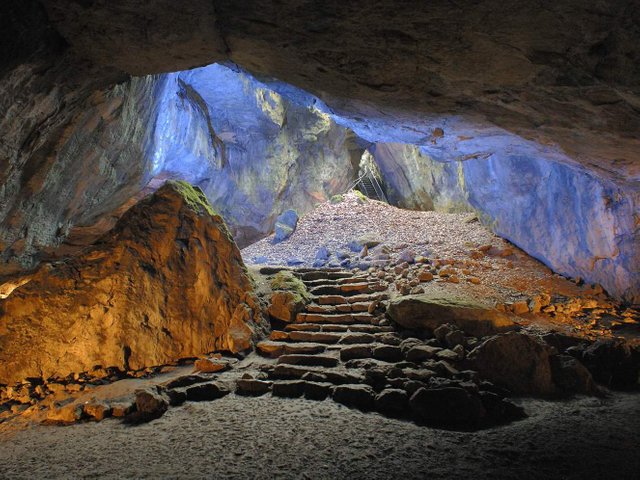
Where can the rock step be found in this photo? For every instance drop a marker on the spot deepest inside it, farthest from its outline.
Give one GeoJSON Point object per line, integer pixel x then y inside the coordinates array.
{"type": "Point", "coordinates": [294, 372]}
{"type": "Point", "coordinates": [330, 282]}
{"type": "Point", "coordinates": [347, 289]}
{"type": "Point", "coordinates": [323, 275]}
{"type": "Point", "coordinates": [341, 299]}
{"type": "Point", "coordinates": [274, 349]}
{"type": "Point", "coordinates": [377, 351]}
{"type": "Point", "coordinates": [308, 360]}
{"type": "Point", "coordinates": [340, 308]}
{"type": "Point", "coordinates": [310, 337]}
{"type": "Point", "coordinates": [344, 319]}
{"type": "Point", "coordinates": [324, 327]}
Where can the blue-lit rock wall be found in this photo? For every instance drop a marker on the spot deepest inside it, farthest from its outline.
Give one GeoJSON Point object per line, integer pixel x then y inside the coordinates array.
{"type": "Point", "coordinates": [415, 181]}
{"type": "Point", "coordinates": [579, 220]}
{"type": "Point", "coordinates": [577, 223]}
{"type": "Point", "coordinates": [253, 152]}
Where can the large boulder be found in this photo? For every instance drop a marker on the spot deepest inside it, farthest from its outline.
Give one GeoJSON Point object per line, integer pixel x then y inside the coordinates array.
{"type": "Point", "coordinates": [429, 311]}
{"type": "Point", "coordinates": [516, 361]}
{"type": "Point", "coordinates": [167, 282]}
{"type": "Point", "coordinates": [448, 407]}
{"type": "Point", "coordinates": [612, 362]}
{"type": "Point", "coordinates": [286, 224]}
{"type": "Point", "coordinates": [289, 296]}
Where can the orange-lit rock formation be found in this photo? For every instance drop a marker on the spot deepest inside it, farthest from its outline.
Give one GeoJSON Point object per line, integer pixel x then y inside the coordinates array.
{"type": "Point", "coordinates": [167, 282]}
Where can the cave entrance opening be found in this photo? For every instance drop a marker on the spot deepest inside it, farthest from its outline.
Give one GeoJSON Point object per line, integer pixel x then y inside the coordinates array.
{"type": "Point", "coordinates": [370, 182]}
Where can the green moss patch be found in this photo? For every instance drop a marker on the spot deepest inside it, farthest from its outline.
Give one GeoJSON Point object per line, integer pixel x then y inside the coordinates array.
{"type": "Point", "coordinates": [286, 280]}
{"type": "Point", "coordinates": [193, 196]}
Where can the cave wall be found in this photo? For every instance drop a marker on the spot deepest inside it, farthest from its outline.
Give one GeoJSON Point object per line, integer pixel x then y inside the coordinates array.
{"type": "Point", "coordinates": [254, 152]}
{"type": "Point", "coordinates": [576, 221]}
{"type": "Point", "coordinates": [415, 181]}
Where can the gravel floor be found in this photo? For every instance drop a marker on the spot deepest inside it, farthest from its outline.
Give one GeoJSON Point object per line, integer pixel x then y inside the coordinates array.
{"type": "Point", "coordinates": [277, 438]}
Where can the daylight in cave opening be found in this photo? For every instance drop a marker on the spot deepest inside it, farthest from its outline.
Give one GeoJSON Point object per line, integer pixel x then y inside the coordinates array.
{"type": "Point", "coordinates": [340, 241]}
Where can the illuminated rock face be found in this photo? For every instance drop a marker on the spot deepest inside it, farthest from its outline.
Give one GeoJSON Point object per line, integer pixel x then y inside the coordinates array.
{"type": "Point", "coordinates": [576, 221]}
{"type": "Point", "coordinates": [167, 282]}
{"type": "Point", "coordinates": [253, 152]}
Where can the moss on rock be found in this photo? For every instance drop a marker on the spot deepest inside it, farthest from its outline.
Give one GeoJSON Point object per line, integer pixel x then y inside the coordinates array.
{"type": "Point", "coordinates": [193, 196]}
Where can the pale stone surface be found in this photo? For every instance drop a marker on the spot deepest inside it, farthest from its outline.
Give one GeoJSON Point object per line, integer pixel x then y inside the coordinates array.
{"type": "Point", "coordinates": [430, 311]}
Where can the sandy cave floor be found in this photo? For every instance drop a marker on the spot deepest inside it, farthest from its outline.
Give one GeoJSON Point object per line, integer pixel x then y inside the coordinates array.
{"type": "Point", "coordinates": [266, 437]}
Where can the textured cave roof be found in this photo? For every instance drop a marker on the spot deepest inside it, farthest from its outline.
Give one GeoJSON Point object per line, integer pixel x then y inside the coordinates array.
{"type": "Point", "coordinates": [563, 73]}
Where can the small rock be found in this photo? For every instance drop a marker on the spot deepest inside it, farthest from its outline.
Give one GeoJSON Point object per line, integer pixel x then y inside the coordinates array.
{"type": "Point", "coordinates": [520, 308]}
{"type": "Point", "coordinates": [323, 254]}
{"type": "Point", "coordinates": [150, 404]}
{"type": "Point", "coordinates": [251, 387]}
{"type": "Point", "coordinates": [448, 355]}
{"type": "Point", "coordinates": [570, 375]}
{"type": "Point", "coordinates": [392, 401]}
{"type": "Point", "coordinates": [206, 392]}
{"type": "Point", "coordinates": [289, 388]}
{"type": "Point", "coordinates": [454, 338]}
{"type": "Point", "coordinates": [387, 353]}
{"type": "Point", "coordinates": [447, 407]}
{"type": "Point", "coordinates": [420, 353]}
{"type": "Point", "coordinates": [209, 365]}
{"type": "Point", "coordinates": [97, 410]}
{"type": "Point", "coordinates": [69, 413]}
{"type": "Point", "coordinates": [500, 410]}
{"type": "Point", "coordinates": [425, 276]}
{"type": "Point", "coordinates": [317, 390]}
{"type": "Point", "coordinates": [177, 396]}
{"type": "Point", "coordinates": [358, 396]}
{"type": "Point", "coordinates": [122, 409]}
{"type": "Point", "coordinates": [285, 225]}
{"type": "Point", "coordinates": [355, 352]}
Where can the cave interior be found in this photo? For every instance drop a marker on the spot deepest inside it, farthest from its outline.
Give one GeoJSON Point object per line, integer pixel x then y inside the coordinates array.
{"type": "Point", "coordinates": [223, 219]}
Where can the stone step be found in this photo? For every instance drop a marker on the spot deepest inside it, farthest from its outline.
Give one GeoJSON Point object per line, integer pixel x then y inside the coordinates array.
{"type": "Point", "coordinates": [272, 270]}
{"type": "Point", "coordinates": [314, 337]}
{"type": "Point", "coordinates": [293, 372]}
{"type": "Point", "coordinates": [303, 270]}
{"type": "Point", "coordinates": [323, 274]}
{"type": "Point", "coordinates": [335, 281]}
{"type": "Point", "coordinates": [328, 327]}
{"type": "Point", "coordinates": [252, 387]}
{"type": "Point", "coordinates": [308, 360]}
{"type": "Point", "coordinates": [342, 308]}
{"type": "Point", "coordinates": [347, 289]}
{"type": "Point", "coordinates": [353, 338]}
{"type": "Point", "coordinates": [344, 318]}
{"type": "Point", "coordinates": [273, 349]}
{"type": "Point", "coordinates": [377, 351]}
{"type": "Point", "coordinates": [341, 299]}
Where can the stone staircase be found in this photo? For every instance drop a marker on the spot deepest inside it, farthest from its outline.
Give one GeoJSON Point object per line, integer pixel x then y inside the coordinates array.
{"type": "Point", "coordinates": [342, 347]}
{"type": "Point", "coordinates": [317, 355]}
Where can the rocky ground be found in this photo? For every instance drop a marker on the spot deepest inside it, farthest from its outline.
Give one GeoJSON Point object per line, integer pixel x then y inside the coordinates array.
{"type": "Point", "coordinates": [393, 357]}
{"type": "Point", "coordinates": [463, 256]}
